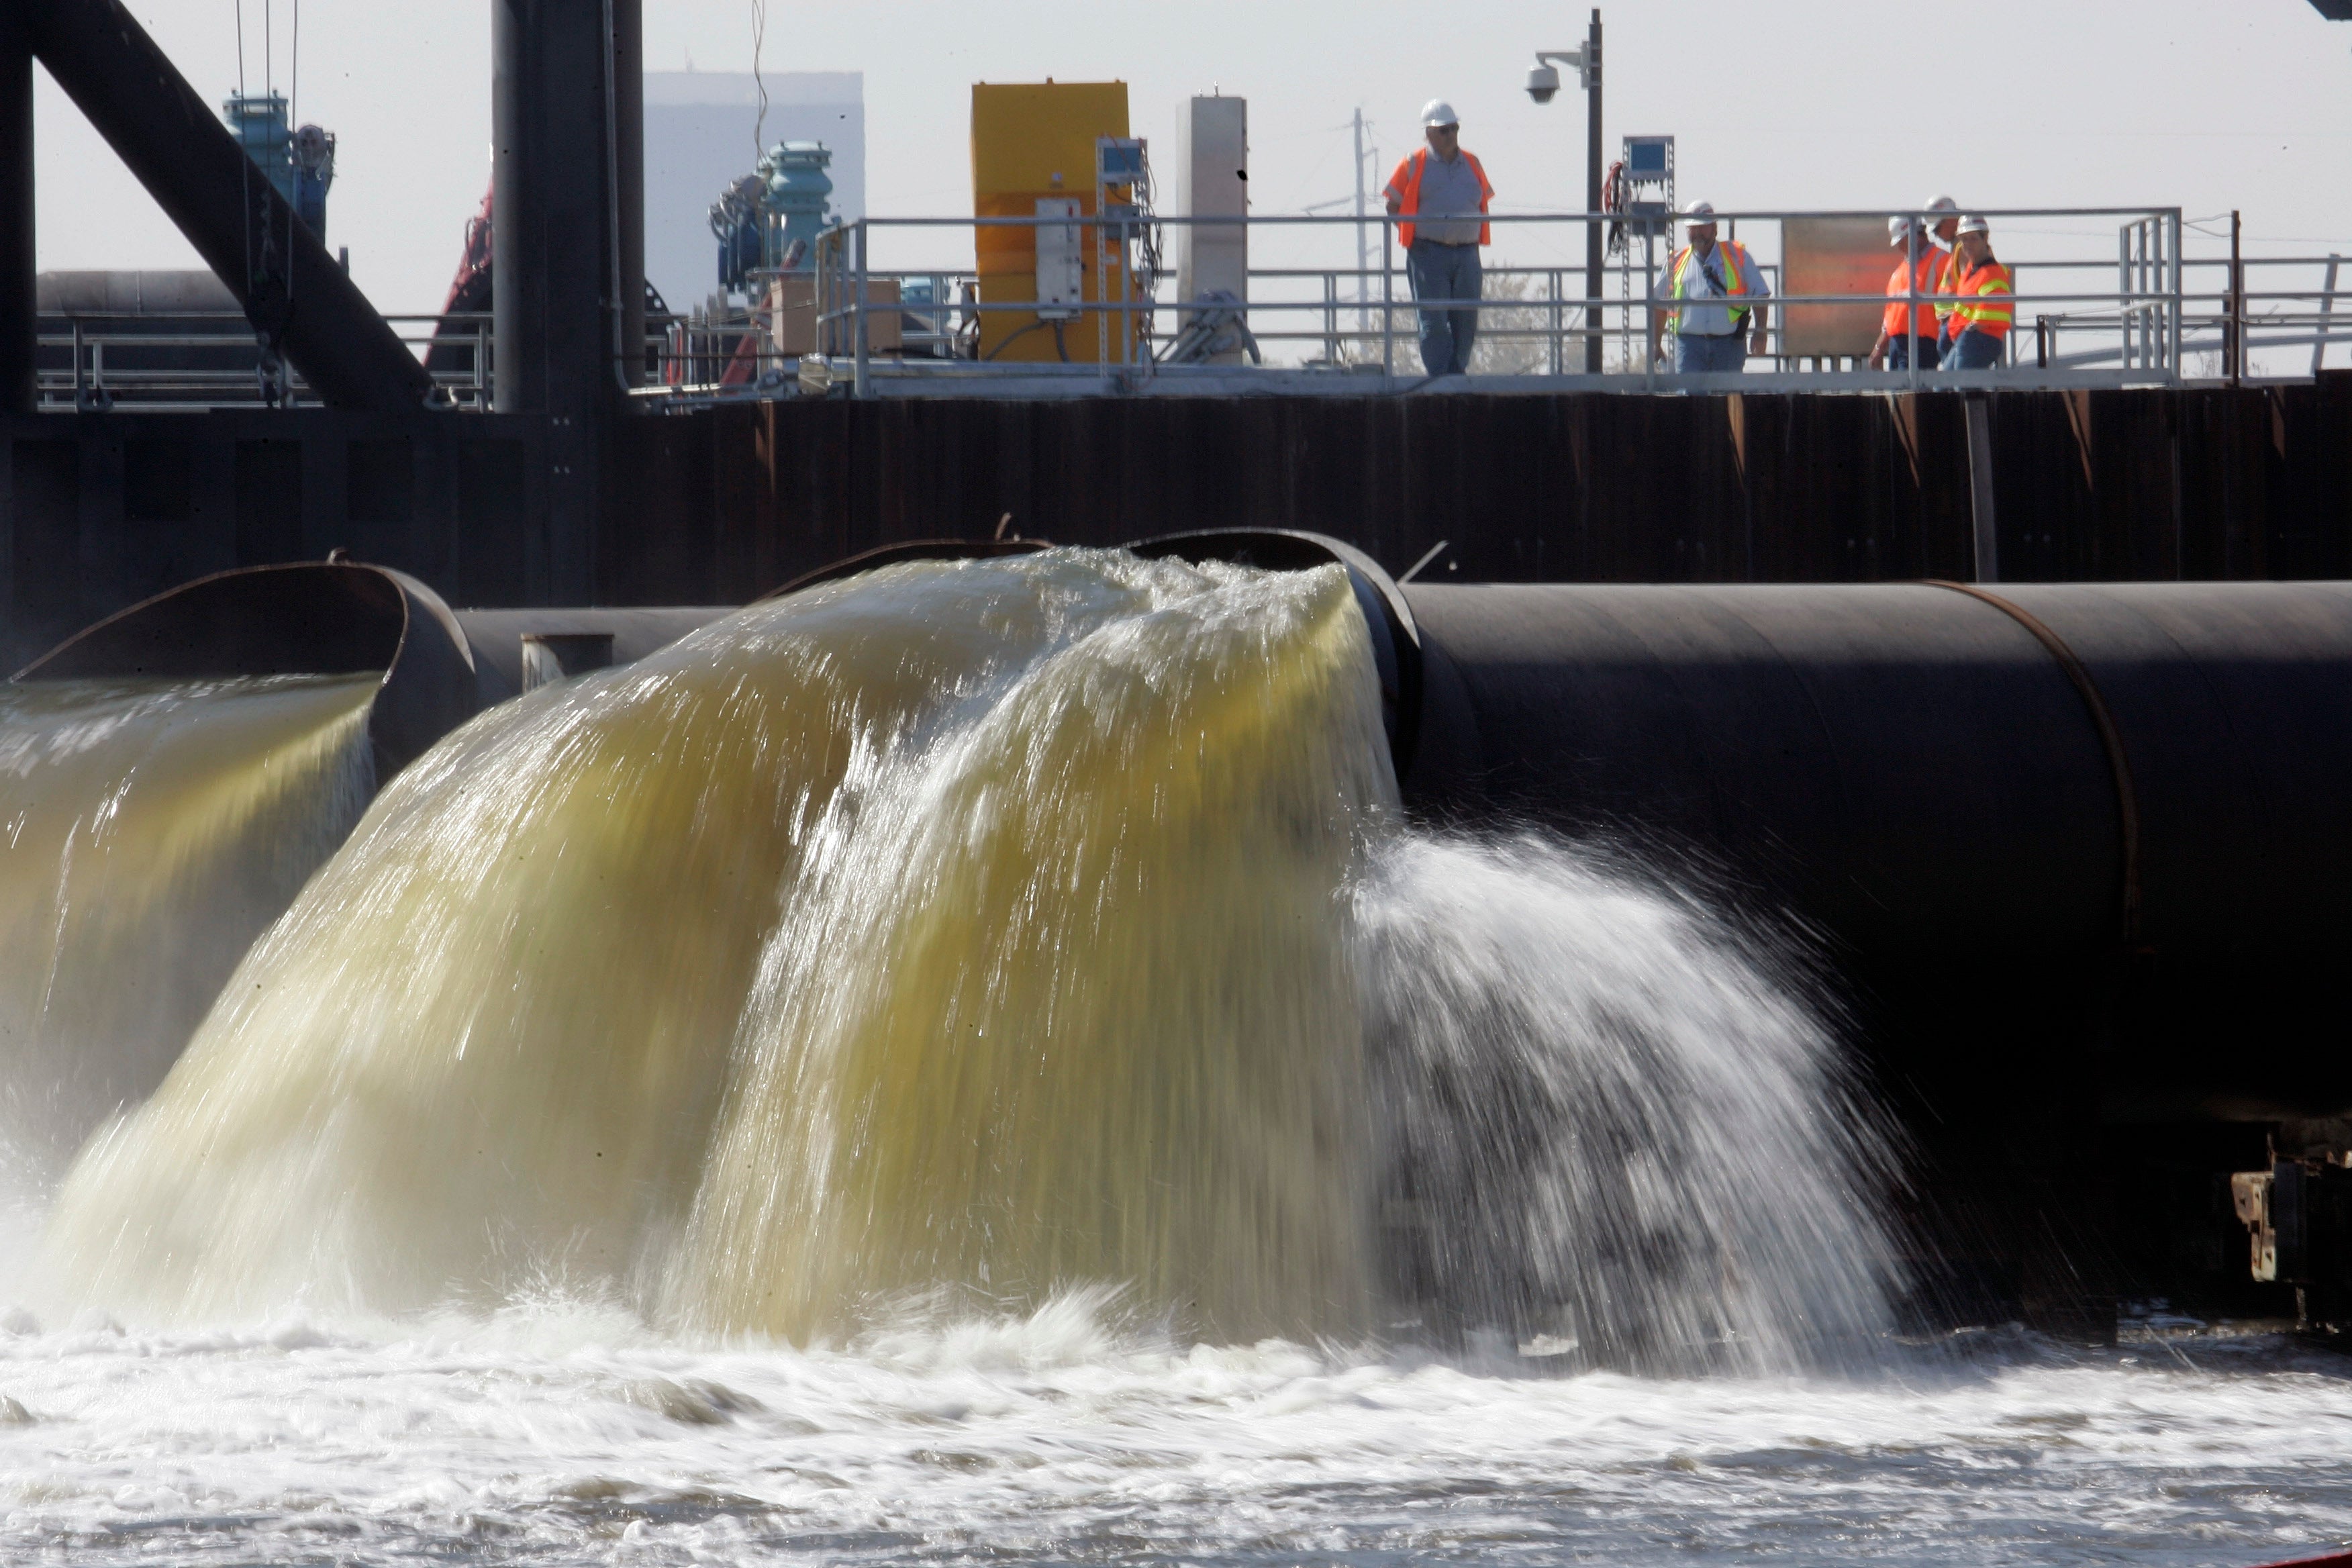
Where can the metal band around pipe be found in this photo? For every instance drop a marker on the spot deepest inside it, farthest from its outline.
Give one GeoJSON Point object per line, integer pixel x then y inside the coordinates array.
{"type": "Point", "coordinates": [2118, 763]}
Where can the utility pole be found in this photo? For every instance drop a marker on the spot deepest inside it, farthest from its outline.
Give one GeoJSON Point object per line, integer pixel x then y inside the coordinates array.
{"type": "Point", "coordinates": [1543, 86]}
{"type": "Point", "coordinates": [1592, 197]}
{"type": "Point", "coordinates": [1363, 239]}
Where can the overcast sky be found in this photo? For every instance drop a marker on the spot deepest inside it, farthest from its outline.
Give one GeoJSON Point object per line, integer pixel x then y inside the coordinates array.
{"type": "Point", "coordinates": [2206, 106]}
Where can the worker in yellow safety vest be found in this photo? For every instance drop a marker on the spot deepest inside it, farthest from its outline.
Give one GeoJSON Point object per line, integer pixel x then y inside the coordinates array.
{"type": "Point", "coordinates": [1909, 330]}
{"type": "Point", "coordinates": [1710, 336]}
{"type": "Point", "coordinates": [1944, 212]}
{"type": "Point", "coordinates": [1986, 307]}
{"type": "Point", "coordinates": [1441, 193]}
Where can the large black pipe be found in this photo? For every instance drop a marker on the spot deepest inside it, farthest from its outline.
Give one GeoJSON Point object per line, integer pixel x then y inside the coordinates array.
{"type": "Point", "coordinates": [2079, 850]}
{"type": "Point", "coordinates": [440, 666]}
{"type": "Point", "coordinates": [308, 618]}
{"type": "Point", "coordinates": [2156, 767]}
{"type": "Point", "coordinates": [19, 308]}
{"type": "Point", "coordinates": [296, 295]}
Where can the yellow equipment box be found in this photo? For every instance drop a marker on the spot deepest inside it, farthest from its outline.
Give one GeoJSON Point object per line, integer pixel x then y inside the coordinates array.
{"type": "Point", "coordinates": [1033, 155]}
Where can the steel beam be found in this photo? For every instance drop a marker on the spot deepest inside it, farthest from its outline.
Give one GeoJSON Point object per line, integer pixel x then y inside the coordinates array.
{"type": "Point", "coordinates": [554, 249]}
{"type": "Point", "coordinates": [18, 307]}
{"type": "Point", "coordinates": [629, 178]}
{"type": "Point", "coordinates": [296, 297]}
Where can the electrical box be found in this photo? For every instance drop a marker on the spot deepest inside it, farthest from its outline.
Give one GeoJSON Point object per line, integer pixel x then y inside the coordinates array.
{"type": "Point", "coordinates": [1118, 160]}
{"type": "Point", "coordinates": [1650, 186]}
{"type": "Point", "coordinates": [1061, 261]}
{"type": "Point", "coordinates": [1033, 142]}
{"type": "Point", "coordinates": [1649, 159]}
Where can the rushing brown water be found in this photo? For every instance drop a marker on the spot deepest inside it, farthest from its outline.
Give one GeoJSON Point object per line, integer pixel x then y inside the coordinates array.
{"type": "Point", "coordinates": [962, 927]}
{"type": "Point", "coordinates": [149, 831]}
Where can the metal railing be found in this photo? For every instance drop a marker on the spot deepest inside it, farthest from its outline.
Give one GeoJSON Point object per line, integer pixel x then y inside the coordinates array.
{"type": "Point", "coordinates": [2131, 317]}
{"type": "Point", "coordinates": [2146, 314]}
{"type": "Point", "coordinates": [184, 361]}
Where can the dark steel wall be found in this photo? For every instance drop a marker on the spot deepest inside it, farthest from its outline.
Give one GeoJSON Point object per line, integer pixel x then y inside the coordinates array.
{"type": "Point", "coordinates": [100, 510]}
{"type": "Point", "coordinates": [1765, 487]}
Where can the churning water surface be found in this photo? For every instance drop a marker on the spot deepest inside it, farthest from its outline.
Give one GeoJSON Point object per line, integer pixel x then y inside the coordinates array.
{"type": "Point", "coordinates": [969, 1065]}
{"type": "Point", "coordinates": [569, 1435]}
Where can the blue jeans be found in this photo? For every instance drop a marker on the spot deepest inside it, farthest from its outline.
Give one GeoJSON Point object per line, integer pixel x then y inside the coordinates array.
{"type": "Point", "coordinates": [1440, 273]}
{"type": "Point", "coordinates": [1972, 350]}
{"type": "Point", "coordinates": [1695, 355]}
{"type": "Point", "coordinates": [1898, 353]}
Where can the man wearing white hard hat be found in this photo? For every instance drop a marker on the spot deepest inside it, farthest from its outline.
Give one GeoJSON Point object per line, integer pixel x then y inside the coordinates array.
{"type": "Point", "coordinates": [1945, 215]}
{"type": "Point", "coordinates": [1986, 307]}
{"type": "Point", "coordinates": [1710, 337]}
{"type": "Point", "coordinates": [1907, 335]}
{"type": "Point", "coordinates": [1442, 194]}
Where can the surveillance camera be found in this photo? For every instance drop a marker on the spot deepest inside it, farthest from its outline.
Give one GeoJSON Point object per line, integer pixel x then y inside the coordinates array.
{"type": "Point", "coordinates": [1543, 83]}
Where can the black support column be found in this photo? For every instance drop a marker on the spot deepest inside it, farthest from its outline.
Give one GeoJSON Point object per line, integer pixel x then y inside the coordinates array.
{"type": "Point", "coordinates": [555, 259]}
{"type": "Point", "coordinates": [629, 143]}
{"type": "Point", "coordinates": [17, 304]}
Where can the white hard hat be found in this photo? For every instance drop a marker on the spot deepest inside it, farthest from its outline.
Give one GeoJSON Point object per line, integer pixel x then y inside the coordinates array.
{"type": "Point", "coordinates": [1943, 204]}
{"type": "Point", "coordinates": [1898, 229]}
{"type": "Point", "coordinates": [1702, 213]}
{"type": "Point", "coordinates": [1437, 111]}
{"type": "Point", "coordinates": [1974, 222]}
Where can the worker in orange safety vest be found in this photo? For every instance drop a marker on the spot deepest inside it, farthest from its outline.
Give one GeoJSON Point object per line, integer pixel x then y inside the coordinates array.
{"type": "Point", "coordinates": [1987, 308]}
{"type": "Point", "coordinates": [1909, 328]}
{"type": "Point", "coordinates": [1442, 194]}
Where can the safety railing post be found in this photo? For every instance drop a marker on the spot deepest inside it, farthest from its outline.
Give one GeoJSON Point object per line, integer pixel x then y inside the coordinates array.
{"type": "Point", "coordinates": [1387, 296]}
{"type": "Point", "coordinates": [1559, 319]}
{"type": "Point", "coordinates": [858, 386]}
{"type": "Point", "coordinates": [1650, 333]}
{"type": "Point", "coordinates": [1330, 319]}
{"type": "Point", "coordinates": [2122, 293]}
{"type": "Point", "coordinates": [79, 390]}
{"type": "Point", "coordinates": [2326, 314]}
{"type": "Point", "coordinates": [2173, 326]}
{"type": "Point", "coordinates": [1910, 303]}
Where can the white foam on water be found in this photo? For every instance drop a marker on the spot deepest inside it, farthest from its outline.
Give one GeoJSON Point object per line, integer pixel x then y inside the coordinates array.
{"type": "Point", "coordinates": [569, 1433]}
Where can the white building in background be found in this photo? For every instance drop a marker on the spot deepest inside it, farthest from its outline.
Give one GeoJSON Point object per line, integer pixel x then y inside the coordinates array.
{"type": "Point", "coordinates": [698, 140]}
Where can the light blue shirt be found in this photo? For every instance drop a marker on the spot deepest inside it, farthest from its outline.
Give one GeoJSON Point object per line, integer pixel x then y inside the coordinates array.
{"type": "Point", "coordinates": [1704, 281]}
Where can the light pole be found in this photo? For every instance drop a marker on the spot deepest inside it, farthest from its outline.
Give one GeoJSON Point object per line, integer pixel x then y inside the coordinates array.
{"type": "Point", "coordinates": [1543, 85]}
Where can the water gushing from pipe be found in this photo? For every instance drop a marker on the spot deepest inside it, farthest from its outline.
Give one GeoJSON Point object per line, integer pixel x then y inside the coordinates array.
{"type": "Point", "coordinates": [149, 831]}
{"type": "Point", "coordinates": [1614, 1123]}
{"type": "Point", "coordinates": [970, 935]}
